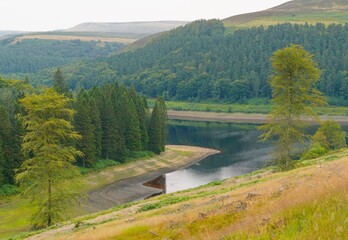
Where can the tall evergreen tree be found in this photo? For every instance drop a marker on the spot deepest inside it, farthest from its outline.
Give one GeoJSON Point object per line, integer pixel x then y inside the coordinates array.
{"type": "Point", "coordinates": [96, 122]}
{"type": "Point", "coordinates": [109, 131]}
{"type": "Point", "coordinates": [84, 126]}
{"type": "Point", "coordinates": [10, 145]}
{"type": "Point", "coordinates": [132, 130]}
{"type": "Point", "coordinates": [155, 143]}
{"type": "Point", "coordinates": [163, 122]}
{"type": "Point", "coordinates": [142, 116]}
{"type": "Point", "coordinates": [294, 94]}
{"type": "Point", "coordinates": [59, 84]}
{"type": "Point", "coordinates": [2, 165]}
{"type": "Point", "coordinates": [46, 175]}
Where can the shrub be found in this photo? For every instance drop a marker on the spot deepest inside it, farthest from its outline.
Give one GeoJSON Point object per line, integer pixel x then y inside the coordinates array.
{"type": "Point", "coordinates": [8, 190]}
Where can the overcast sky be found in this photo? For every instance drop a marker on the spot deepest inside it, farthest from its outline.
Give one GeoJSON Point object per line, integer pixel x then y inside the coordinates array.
{"type": "Point", "coordinates": [42, 15]}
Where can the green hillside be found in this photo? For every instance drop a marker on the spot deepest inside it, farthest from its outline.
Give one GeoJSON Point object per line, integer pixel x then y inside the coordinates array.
{"type": "Point", "coordinates": [201, 62]}
{"type": "Point", "coordinates": [31, 55]}
{"type": "Point", "coordinates": [297, 11]}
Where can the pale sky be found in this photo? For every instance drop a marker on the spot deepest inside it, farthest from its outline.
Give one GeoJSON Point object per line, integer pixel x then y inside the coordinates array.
{"type": "Point", "coordinates": [44, 15]}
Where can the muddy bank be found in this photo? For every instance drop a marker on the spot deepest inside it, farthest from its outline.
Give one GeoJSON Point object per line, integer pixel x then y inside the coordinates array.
{"type": "Point", "coordinates": [236, 117]}
{"type": "Point", "coordinates": [131, 188]}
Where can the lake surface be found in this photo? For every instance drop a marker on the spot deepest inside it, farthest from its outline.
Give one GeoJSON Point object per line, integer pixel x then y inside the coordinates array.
{"type": "Point", "coordinates": [240, 152]}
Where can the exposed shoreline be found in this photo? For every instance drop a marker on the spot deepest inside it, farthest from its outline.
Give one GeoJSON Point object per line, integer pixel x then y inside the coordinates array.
{"type": "Point", "coordinates": [131, 188]}
{"type": "Point", "coordinates": [256, 118]}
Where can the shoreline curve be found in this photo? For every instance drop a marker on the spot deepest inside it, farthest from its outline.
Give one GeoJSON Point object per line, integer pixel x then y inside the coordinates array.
{"type": "Point", "coordinates": [131, 188]}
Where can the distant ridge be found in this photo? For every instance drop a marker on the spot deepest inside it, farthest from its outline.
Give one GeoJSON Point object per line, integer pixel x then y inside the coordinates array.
{"type": "Point", "coordinates": [296, 11]}
{"type": "Point", "coordinates": [6, 33]}
{"type": "Point", "coordinates": [146, 28]}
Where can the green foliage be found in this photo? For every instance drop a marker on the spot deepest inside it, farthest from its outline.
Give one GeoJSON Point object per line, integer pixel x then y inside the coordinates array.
{"type": "Point", "coordinates": [59, 84]}
{"type": "Point", "coordinates": [163, 202]}
{"type": "Point", "coordinates": [99, 165]}
{"type": "Point", "coordinates": [200, 62]}
{"type": "Point", "coordinates": [158, 127]}
{"type": "Point", "coordinates": [293, 88]}
{"type": "Point", "coordinates": [11, 128]}
{"type": "Point", "coordinates": [329, 136]}
{"type": "Point", "coordinates": [132, 130]}
{"type": "Point", "coordinates": [8, 190]}
{"type": "Point", "coordinates": [118, 129]}
{"type": "Point", "coordinates": [43, 177]}
{"type": "Point", "coordinates": [33, 55]}
{"type": "Point", "coordinates": [85, 127]}
{"type": "Point", "coordinates": [324, 219]}
{"type": "Point", "coordinates": [316, 150]}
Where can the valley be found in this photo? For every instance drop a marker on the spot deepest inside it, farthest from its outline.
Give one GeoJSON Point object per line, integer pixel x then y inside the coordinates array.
{"type": "Point", "coordinates": [176, 120]}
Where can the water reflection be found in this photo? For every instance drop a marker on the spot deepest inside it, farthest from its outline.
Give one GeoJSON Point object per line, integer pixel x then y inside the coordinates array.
{"type": "Point", "coordinates": [241, 152]}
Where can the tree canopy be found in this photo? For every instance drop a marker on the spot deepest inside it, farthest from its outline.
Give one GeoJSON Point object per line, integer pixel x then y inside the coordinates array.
{"type": "Point", "coordinates": [293, 82]}
{"type": "Point", "coordinates": [46, 173]}
{"type": "Point", "coordinates": [203, 60]}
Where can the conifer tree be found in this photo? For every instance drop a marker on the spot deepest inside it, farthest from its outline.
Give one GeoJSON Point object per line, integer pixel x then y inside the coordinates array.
{"type": "Point", "coordinates": [163, 122]}
{"type": "Point", "coordinates": [96, 122]}
{"type": "Point", "coordinates": [109, 131]}
{"type": "Point", "coordinates": [2, 165]}
{"type": "Point", "coordinates": [84, 126]}
{"type": "Point", "coordinates": [132, 130]}
{"type": "Point", "coordinates": [59, 84]}
{"type": "Point", "coordinates": [96, 106]}
{"type": "Point", "coordinates": [155, 143]}
{"type": "Point", "coordinates": [294, 94]}
{"type": "Point", "coordinates": [45, 177]}
{"type": "Point", "coordinates": [10, 145]}
{"type": "Point", "coordinates": [142, 117]}
{"type": "Point", "coordinates": [5, 133]}
{"type": "Point", "coordinates": [143, 122]}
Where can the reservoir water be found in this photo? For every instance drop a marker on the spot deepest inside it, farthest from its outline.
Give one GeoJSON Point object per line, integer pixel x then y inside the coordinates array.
{"type": "Point", "coordinates": [240, 152]}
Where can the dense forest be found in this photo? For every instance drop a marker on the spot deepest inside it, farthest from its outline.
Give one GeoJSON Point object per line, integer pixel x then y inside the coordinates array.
{"type": "Point", "coordinates": [32, 55]}
{"type": "Point", "coordinates": [114, 122]}
{"type": "Point", "coordinates": [202, 61]}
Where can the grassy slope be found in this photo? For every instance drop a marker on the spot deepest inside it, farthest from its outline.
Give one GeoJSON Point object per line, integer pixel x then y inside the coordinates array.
{"type": "Point", "coordinates": [241, 108]}
{"type": "Point", "coordinates": [309, 202]}
{"type": "Point", "coordinates": [297, 11]}
{"type": "Point", "coordinates": [15, 212]}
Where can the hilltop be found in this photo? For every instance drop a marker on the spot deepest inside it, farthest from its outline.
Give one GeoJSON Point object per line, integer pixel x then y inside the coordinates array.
{"type": "Point", "coordinates": [125, 33]}
{"type": "Point", "coordinates": [297, 11]}
{"type": "Point", "coordinates": [140, 28]}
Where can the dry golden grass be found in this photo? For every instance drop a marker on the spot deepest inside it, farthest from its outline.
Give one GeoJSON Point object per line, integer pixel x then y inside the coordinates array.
{"type": "Point", "coordinates": [248, 205]}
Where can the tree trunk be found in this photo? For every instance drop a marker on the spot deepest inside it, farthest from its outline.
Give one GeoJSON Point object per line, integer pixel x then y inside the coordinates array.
{"type": "Point", "coordinates": [49, 207]}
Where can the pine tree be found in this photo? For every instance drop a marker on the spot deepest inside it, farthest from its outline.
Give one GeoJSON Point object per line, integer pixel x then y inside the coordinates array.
{"type": "Point", "coordinates": [96, 122]}
{"type": "Point", "coordinates": [84, 126]}
{"type": "Point", "coordinates": [96, 106]}
{"type": "Point", "coordinates": [9, 146]}
{"type": "Point", "coordinates": [2, 165]}
{"type": "Point", "coordinates": [163, 122]}
{"type": "Point", "coordinates": [59, 84]}
{"type": "Point", "coordinates": [46, 175]}
{"type": "Point", "coordinates": [132, 130]}
{"type": "Point", "coordinates": [142, 117]}
{"type": "Point", "coordinates": [294, 95]}
{"type": "Point", "coordinates": [143, 122]}
{"type": "Point", "coordinates": [109, 131]}
{"type": "Point", "coordinates": [155, 143]}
